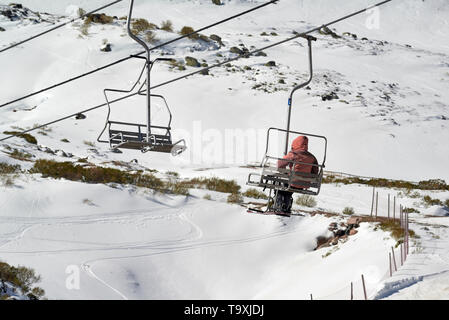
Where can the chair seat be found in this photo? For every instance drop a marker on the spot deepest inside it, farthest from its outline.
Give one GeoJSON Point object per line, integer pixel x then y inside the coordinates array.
{"type": "Point", "coordinates": [137, 141]}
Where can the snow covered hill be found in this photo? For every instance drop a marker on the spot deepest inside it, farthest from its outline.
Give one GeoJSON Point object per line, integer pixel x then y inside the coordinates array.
{"type": "Point", "coordinates": [379, 95]}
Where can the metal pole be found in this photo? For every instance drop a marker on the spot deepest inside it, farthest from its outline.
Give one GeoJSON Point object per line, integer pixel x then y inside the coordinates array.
{"type": "Point", "coordinates": [372, 202]}
{"type": "Point", "coordinates": [352, 291]}
{"type": "Point", "coordinates": [408, 237]}
{"type": "Point", "coordinates": [389, 256]}
{"type": "Point", "coordinates": [402, 255]}
{"type": "Point", "coordinates": [302, 85]}
{"type": "Point", "coordinates": [311, 297]}
{"type": "Point", "coordinates": [364, 287]}
{"type": "Point", "coordinates": [388, 206]}
{"type": "Point", "coordinates": [377, 202]}
{"type": "Point", "coordinates": [394, 259]}
{"type": "Point", "coordinates": [394, 208]}
{"type": "Point", "coordinates": [148, 66]}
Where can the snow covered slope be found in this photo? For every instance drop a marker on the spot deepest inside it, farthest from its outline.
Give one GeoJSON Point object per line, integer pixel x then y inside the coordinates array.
{"type": "Point", "coordinates": [389, 69]}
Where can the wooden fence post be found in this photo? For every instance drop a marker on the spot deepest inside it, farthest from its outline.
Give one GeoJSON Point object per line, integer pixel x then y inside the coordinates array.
{"type": "Point", "coordinates": [377, 202]}
{"type": "Point", "coordinates": [364, 288]}
{"type": "Point", "coordinates": [406, 225]}
{"type": "Point", "coordinates": [391, 271]}
{"type": "Point", "coordinates": [394, 259]}
{"type": "Point", "coordinates": [352, 291]}
{"type": "Point", "coordinates": [394, 207]}
{"type": "Point", "coordinates": [402, 255]}
{"type": "Point", "coordinates": [388, 206]}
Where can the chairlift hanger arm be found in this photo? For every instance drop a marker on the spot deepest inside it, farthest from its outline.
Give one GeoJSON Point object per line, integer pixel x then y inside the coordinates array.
{"type": "Point", "coordinates": [302, 85]}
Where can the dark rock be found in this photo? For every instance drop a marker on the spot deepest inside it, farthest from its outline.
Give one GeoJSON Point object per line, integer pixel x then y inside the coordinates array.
{"type": "Point", "coordinates": [260, 54]}
{"type": "Point", "coordinates": [80, 116]}
{"type": "Point", "coordinates": [326, 31]}
{"type": "Point", "coordinates": [217, 39]}
{"type": "Point", "coordinates": [270, 64]}
{"type": "Point", "coordinates": [106, 48]}
{"type": "Point", "coordinates": [339, 233]}
{"type": "Point", "coordinates": [217, 2]}
{"type": "Point", "coordinates": [9, 14]}
{"type": "Point", "coordinates": [2, 29]}
{"type": "Point", "coordinates": [192, 62]}
{"type": "Point", "coordinates": [330, 96]}
{"type": "Point", "coordinates": [236, 50]}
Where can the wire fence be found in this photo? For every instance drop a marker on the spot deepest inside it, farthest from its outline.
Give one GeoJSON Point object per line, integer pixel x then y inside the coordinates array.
{"type": "Point", "coordinates": [365, 287]}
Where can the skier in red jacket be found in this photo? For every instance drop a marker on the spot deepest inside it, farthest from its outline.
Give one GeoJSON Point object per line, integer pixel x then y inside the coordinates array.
{"type": "Point", "coordinates": [308, 164]}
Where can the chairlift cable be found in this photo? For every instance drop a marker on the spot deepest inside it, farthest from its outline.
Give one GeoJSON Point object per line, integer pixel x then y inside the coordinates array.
{"type": "Point", "coordinates": [134, 55]}
{"type": "Point", "coordinates": [201, 70]}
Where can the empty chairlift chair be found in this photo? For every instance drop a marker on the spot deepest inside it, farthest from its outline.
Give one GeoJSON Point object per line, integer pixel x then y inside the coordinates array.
{"type": "Point", "coordinates": [145, 137]}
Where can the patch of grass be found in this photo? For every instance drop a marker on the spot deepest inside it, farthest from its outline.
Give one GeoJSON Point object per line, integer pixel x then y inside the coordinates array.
{"type": "Point", "coordinates": [20, 155]}
{"type": "Point", "coordinates": [213, 184]}
{"type": "Point", "coordinates": [348, 211]}
{"type": "Point", "coordinates": [173, 174]}
{"type": "Point", "coordinates": [8, 173]}
{"type": "Point", "coordinates": [167, 26]}
{"type": "Point", "coordinates": [98, 18]}
{"type": "Point", "coordinates": [142, 25]}
{"type": "Point", "coordinates": [187, 30]}
{"type": "Point", "coordinates": [28, 137]}
{"type": "Point", "coordinates": [9, 168]}
{"type": "Point", "coordinates": [94, 174]}
{"type": "Point", "coordinates": [410, 210]}
{"type": "Point", "coordinates": [88, 202]}
{"type": "Point", "coordinates": [394, 228]}
{"type": "Point", "coordinates": [207, 197]}
{"type": "Point", "coordinates": [446, 203]}
{"type": "Point", "coordinates": [432, 184]}
{"type": "Point", "coordinates": [23, 278]}
{"type": "Point", "coordinates": [65, 140]}
{"type": "Point", "coordinates": [429, 201]}
{"type": "Point", "coordinates": [150, 37]}
{"type": "Point", "coordinates": [255, 194]}
{"type": "Point", "coordinates": [306, 200]}
{"type": "Point", "coordinates": [84, 29]}
{"type": "Point", "coordinates": [235, 198]}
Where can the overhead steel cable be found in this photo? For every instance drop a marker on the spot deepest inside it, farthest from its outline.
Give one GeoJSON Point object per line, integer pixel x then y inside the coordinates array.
{"type": "Point", "coordinates": [138, 54]}
{"type": "Point", "coordinates": [303, 34]}
{"type": "Point", "coordinates": [59, 26]}
{"type": "Point", "coordinates": [298, 35]}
